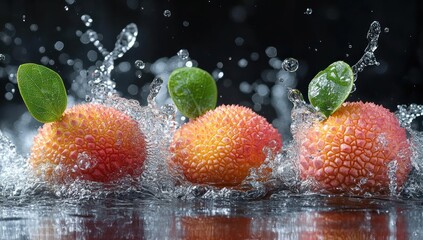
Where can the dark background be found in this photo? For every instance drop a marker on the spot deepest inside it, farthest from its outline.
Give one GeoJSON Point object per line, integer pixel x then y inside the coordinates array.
{"type": "Point", "coordinates": [316, 40]}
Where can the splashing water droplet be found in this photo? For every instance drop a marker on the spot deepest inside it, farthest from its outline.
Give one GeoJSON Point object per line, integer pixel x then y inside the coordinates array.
{"type": "Point", "coordinates": [125, 41]}
{"type": "Point", "coordinates": [85, 162]}
{"type": "Point", "coordinates": [183, 54]}
{"type": "Point", "coordinates": [139, 64]}
{"type": "Point", "coordinates": [167, 13]}
{"type": "Point", "coordinates": [87, 20]}
{"type": "Point", "coordinates": [392, 175]}
{"type": "Point", "coordinates": [308, 11]}
{"type": "Point", "coordinates": [290, 64]}
{"type": "Point", "coordinates": [155, 87]}
{"type": "Point", "coordinates": [101, 83]}
{"type": "Point", "coordinates": [296, 97]}
{"type": "Point", "coordinates": [407, 114]}
{"type": "Point", "coordinates": [368, 58]}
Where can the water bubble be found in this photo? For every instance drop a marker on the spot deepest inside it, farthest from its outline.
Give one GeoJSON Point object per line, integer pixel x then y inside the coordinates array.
{"type": "Point", "coordinates": [87, 20]}
{"type": "Point", "coordinates": [139, 64]}
{"type": "Point", "coordinates": [70, 2]}
{"type": "Point", "coordinates": [2, 57]}
{"type": "Point", "coordinates": [183, 54]}
{"type": "Point", "coordinates": [290, 64]}
{"type": "Point", "coordinates": [386, 30]}
{"type": "Point", "coordinates": [308, 11]}
{"type": "Point", "coordinates": [349, 46]}
{"type": "Point", "coordinates": [185, 23]}
{"type": "Point", "coordinates": [167, 13]}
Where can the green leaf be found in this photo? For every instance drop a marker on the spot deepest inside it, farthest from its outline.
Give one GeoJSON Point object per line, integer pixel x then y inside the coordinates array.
{"type": "Point", "coordinates": [43, 92]}
{"type": "Point", "coordinates": [330, 87]}
{"type": "Point", "coordinates": [193, 90]}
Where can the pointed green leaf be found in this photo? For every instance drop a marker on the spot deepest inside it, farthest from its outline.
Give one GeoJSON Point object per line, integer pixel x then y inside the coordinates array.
{"type": "Point", "coordinates": [330, 87]}
{"type": "Point", "coordinates": [43, 92]}
{"type": "Point", "coordinates": [193, 90]}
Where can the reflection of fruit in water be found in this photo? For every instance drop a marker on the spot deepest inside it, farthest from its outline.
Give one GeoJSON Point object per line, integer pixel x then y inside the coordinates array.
{"type": "Point", "coordinates": [221, 146]}
{"type": "Point", "coordinates": [354, 149]}
{"type": "Point", "coordinates": [92, 142]}
{"type": "Point", "coordinates": [220, 227]}
{"type": "Point", "coordinates": [354, 225]}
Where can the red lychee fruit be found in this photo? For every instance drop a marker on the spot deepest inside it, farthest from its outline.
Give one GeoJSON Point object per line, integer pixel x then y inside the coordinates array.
{"type": "Point", "coordinates": [360, 148]}
{"type": "Point", "coordinates": [221, 147]}
{"type": "Point", "coordinates": [90, 142]}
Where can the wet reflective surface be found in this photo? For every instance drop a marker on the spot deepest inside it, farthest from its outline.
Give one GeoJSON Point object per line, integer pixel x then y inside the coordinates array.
{"type": "Point", "coordinates": [287, 217]}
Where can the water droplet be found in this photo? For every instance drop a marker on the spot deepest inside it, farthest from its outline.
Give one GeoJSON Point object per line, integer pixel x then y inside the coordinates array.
{"type": "Point", "coordinates": [295, 96]}
{"type": "Point", "coordinates": [183, 54]}
{"type": "Point", "coordinates": [349, 46]}
{"type": "Point", "coordinates": [290, 64]}
{"type": "Point", "coordinates": [66, 8]}
{"type": "Point", "coordinates": [139, 64]}
{"type": "Point", "coordinates": [185, 23]}
{"type": "Point", "coordinates": [167, 13]}
{"type": "Point", "coordinates": [386, 30]}
{"type": "Point", "coordinates": [23, 18]}
{"type": "Point", "coordinates": [87, 20]}
{"type": "Point", "coordinates": [308, 11]}
{"type": "Point", "coordinates": [2, 57]}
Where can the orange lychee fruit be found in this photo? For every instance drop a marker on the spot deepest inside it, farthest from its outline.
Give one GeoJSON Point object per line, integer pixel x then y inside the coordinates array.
{"type": "Point", "coordinates": [90, 142]}
{"type": "Point", "coordinates": [360, 148]}
{"type": "Point", "coordinates": [221, 147]}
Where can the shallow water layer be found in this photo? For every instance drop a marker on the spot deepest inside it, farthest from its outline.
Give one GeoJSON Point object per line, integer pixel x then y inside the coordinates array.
{"type": "Point", "coordinates": [293, 217]}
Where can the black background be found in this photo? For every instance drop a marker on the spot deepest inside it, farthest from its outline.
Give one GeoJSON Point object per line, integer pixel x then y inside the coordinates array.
{"type": "Point", "coordinates": [316, 40]}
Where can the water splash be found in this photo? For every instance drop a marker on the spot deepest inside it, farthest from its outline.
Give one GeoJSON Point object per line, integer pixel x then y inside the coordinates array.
{"type": "Point", "coordinates": [101, 83]}
{"type": "Point", "coordinates": [369, 58]}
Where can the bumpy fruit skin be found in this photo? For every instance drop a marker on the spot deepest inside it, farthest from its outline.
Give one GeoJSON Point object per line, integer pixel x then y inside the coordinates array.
{"type": "Point", "coordinates": [91, 142]}
{"type": "Point", "coordinates": [352, 151]}
{"type": "Point", "coordinates": [220, 147]}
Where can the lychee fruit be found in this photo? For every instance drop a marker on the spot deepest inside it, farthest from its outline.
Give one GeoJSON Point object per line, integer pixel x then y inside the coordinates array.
{"type": "Point", "coordinates": [360, 148]}
{"type": "Point", "coordinates": [220, 147]}
{"type": "Point", "coordinates": [90, 142]}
